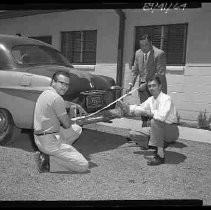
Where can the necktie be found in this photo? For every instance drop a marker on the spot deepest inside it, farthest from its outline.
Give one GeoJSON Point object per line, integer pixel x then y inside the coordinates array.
{"type": "Point", "coordinates": [145, 57]}
{"type": "Point", "coordinates": [145, 68]}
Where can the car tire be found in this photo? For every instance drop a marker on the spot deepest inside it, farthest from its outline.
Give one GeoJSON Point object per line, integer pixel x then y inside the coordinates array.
{"type": "Point", "coordinates": [8, 130]}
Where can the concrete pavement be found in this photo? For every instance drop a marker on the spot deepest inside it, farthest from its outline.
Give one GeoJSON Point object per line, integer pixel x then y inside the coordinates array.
{"type": "Point", "coordinates": [118, 169]}
{"type": "Point", "coordinates": [122, 126]}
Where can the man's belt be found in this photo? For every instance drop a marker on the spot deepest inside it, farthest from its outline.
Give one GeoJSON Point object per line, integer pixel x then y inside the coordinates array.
{"type": "Point", "coordinates": [44, 133]}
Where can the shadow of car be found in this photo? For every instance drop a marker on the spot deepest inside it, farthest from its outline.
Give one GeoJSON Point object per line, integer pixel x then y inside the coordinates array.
{"type": "Point", "coordinates": [26, 68]}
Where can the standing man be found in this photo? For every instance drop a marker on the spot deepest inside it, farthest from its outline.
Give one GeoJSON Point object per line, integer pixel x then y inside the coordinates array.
{"type": "Point", "coordinates": [149, 61]}
{"type": "Point", "coordinates": [162, 112]}
{"type": "Point", "coordinates": [54, 132]}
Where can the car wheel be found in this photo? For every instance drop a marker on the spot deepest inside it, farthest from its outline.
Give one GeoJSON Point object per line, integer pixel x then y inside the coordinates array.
{"type": "Point", "coordinates": [8, 130]}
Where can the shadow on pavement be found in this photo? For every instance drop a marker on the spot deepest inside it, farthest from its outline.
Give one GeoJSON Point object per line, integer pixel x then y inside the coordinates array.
{"type": "Point", "coordinates": [91, 165]}
{"type": "Point", "coordinates": [25, 141]}
{"type": "Point", "coordinates": [178, 144]}
{"type": "Point", "coordinates": [91, 142]}
{"type": "Point", "coordinates": [170, 156]}
{"type": "Point", "coordinates": [88, 143]}
{"type": "Point", "coordinates": [174, 157]}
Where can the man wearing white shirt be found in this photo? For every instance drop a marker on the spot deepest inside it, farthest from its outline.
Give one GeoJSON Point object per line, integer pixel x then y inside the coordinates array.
{"type": "Point", "coordinates": [160, 108]}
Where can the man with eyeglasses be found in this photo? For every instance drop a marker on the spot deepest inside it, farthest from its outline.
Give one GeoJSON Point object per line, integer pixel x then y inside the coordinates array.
{"type": "Point", "coordinates": [55, 132]}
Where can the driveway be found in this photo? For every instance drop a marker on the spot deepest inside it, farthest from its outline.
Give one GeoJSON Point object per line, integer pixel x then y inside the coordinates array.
{"type": "Point", "coordinates": [118, 171]}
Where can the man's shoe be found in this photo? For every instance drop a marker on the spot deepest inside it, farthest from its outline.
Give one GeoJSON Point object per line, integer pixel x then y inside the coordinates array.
{"type": "Point", "coordinates": [42, 161]}
{"type": "Point", "coordinates": [156, 160]}
{"type": "Point", "coordinates": [155, 152]}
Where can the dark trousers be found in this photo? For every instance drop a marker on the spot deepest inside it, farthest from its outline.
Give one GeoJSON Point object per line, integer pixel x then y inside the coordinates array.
{"type": "Point", "coordinates": [143, 96]}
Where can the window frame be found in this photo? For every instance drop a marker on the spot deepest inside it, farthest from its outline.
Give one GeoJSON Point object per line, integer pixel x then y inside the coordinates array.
{"type": "Point", "coordinates": [83, 41]}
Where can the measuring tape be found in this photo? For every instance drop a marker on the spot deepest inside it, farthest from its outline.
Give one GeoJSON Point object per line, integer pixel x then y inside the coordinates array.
{"type": "Point", "coordinates": [82, 117]}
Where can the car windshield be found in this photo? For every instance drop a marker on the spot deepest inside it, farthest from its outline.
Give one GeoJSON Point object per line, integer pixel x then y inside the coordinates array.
{"type": "Point", "coordinates": [35, 54]}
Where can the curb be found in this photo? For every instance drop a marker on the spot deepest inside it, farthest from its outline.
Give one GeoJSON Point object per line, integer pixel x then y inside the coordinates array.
{"type": "Point", "coordinates": [122, 126]}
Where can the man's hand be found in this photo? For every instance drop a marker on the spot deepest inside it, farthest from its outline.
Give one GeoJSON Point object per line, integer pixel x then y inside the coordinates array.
{"type": "Point", "coordinates": [81, 110]}
{"type": "Point", "coordinates": [67, 104]}
{"type": "Point", "coordinates": [124, 107]}
{"type": "Point", "coordinates": [75, 109]}
{"type": "Point", "coordinates": [147, 114]}
{"type": "Point", "coordinates": [142, 86]}
{"type": "Point", "coordinates": [129, 88]}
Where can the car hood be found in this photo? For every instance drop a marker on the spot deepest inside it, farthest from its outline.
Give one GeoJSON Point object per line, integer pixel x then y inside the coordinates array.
{"type": "Point", "coordinates": [79, 80]}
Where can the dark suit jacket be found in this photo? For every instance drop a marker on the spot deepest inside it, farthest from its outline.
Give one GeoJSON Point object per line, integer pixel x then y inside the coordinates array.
{"type": "Point", "coordinates": [156, 64]}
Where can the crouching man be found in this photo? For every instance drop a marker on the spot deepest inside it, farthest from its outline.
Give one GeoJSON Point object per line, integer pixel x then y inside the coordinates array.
{"type": "Point", "coordinates": [163, 129]}
{"type": "Point", "coordinates": [54, 132]}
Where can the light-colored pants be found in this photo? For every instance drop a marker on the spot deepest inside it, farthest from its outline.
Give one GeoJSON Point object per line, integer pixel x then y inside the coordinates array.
{"type": "Point", "coordinates": [156, 134]}
{"type": "Point", "coordinates": [58, 146]}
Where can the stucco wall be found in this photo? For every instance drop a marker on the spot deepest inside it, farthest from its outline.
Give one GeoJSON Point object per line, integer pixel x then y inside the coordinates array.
{"type": "Point", "coordinates": [104, 21]}
{"type": "Point", "coordinates": [189, 86]}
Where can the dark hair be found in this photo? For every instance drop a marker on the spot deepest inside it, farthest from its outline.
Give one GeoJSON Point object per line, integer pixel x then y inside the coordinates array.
{"type": "Point", "coordinates": [156, 78]}
{"type": "Point", "coordinates": [56, 74]}
{"type": "Point", "coordinates": [145, 37]}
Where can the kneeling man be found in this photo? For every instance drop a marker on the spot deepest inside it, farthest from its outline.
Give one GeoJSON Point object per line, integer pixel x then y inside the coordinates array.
{"type": "Point", "coordinates": [54, 132]}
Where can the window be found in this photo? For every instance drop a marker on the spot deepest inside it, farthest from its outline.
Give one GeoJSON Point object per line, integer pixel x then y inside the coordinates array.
{"type": "Point", "coordinates": [46, 39]}
{"type": "Point", "coordinates": [79, 46]}
{"type": "Point", "coordinates": [170, 38]}
{"type": "Point", "coordinates": [38, 55]}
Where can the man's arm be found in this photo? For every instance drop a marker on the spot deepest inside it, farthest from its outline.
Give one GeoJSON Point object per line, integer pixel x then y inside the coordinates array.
{"type": "Point", "coordinates": [133, 74]}
{"type": "Point", "coordinates": [73, 108]}
{"type": "Point", "coordinates": [141, 110]}
{"type": "Point", "coordinates": [134, 71]}
{"type": "Point", "coordinates": [65, 120]}
{"type": "Point", "coordinates": [59, 107]}
{"type": "Point", "coordinates": [135, 110]}
{"type": "Point", "coordinates": [161, 64]}
{"type": "Point", "coordinates": [161, 70]}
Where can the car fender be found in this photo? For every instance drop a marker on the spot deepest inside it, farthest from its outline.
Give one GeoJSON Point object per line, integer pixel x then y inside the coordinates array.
{"type": "Point", "coordinates": [18, 94]}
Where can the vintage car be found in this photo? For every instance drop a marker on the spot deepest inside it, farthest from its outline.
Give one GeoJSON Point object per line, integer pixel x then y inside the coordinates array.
{"type": "Point", "coordinates": [26, 68]}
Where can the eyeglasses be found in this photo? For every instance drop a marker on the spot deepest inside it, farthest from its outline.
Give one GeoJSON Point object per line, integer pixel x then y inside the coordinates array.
{"type": "Point", "coordinates": [63, 83]}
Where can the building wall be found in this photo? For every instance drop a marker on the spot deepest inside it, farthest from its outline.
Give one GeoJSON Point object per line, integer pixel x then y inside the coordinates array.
{"type": "Point", "coordinates": [104, 21]}
{"type": "Point", "coordinates": [189, 86]}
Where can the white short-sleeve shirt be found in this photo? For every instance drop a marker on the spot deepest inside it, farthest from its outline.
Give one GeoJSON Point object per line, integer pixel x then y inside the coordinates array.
{"type": "Point", "coordinates": [49, 106]}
